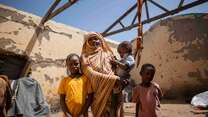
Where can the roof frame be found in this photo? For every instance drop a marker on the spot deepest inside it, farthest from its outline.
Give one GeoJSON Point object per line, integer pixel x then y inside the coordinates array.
{"type": "Point", "coordinates": [167, 12]}
{"type": "Point", "coordinates": [52, 12]}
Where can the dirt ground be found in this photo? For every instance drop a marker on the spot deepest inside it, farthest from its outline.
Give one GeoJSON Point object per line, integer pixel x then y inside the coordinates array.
{"type": "Point", "coordinates": [168, 109]}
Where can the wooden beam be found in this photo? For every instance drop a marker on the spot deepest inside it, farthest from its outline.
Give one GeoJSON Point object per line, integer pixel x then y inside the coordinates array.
{"type": "Point", "coordinates": [61, 9]}
{"type": "Point", "coordinates": [163, 15]}
{"type": "Point", "coordinates": [38, 29]}
{"type": "Point", "coordinates": [49, 15]}
{"type": "Point", "coordinates": [119, 19]}
{"type": "Point", "coordinates": [158, 5]}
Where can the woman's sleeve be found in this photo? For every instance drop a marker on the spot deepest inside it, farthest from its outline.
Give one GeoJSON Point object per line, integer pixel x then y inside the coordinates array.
{"type": "Point", "coordinates": [89, 86]}
{"type": "Point", "coordinates": [89, 72]}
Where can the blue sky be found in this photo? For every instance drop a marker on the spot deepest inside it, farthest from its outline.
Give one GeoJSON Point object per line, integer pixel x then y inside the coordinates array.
{"type": "Point", "coordinates": [97, 15]}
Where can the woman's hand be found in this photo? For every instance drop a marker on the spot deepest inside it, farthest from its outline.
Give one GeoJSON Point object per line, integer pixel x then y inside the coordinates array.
{"type": "Point", "coordinates": [113, 62]}
{"type": "Point", "coordinates": [125, 82]}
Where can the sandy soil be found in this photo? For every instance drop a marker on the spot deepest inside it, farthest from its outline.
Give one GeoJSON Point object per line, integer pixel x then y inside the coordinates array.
{"type": "Point", "coordinates": [168, 109]}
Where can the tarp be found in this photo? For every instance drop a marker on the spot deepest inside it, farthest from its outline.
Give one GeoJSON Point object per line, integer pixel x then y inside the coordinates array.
{"type": "Point", "coordinates": [200, 100]}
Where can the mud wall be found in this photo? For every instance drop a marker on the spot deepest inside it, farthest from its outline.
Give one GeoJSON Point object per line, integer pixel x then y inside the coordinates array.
{"type": "Point", "coordinates": [178, 47]}
{"type": "Point", "coordinates": [49, 53]}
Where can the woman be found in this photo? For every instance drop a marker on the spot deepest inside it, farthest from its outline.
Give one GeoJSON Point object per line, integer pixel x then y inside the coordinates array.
{"type": "Point", "coordinates": [96, 65]}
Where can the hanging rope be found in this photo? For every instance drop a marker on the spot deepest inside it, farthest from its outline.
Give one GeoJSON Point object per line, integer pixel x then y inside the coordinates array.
{"type": "Point", "coordinates": [139, 45]}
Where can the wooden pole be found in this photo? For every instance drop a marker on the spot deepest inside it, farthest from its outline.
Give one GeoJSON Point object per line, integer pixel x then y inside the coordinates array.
{"type": "Point", "coordinates": [139, 7]}
{"type": "Point", "coordinates": [140, 33]}
{"type": "Point", "coordinates": [62, 8]}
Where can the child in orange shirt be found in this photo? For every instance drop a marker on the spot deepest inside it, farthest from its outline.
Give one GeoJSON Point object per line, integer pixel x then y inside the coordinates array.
{"type": "Point", "coordinates": [74, 89]}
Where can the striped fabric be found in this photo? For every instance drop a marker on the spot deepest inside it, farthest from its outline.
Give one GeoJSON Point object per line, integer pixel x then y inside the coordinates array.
{"type": "Point", "coordinates": [96, 66]}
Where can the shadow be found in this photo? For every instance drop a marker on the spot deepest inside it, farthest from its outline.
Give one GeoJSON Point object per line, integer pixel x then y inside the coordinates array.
{"type": "Point", "coordinates": [10, 45]}
{"type": "Point", "coordinates": [173, 101]}
{"type": "Point", "coordinates": [40, 61]}
{"type": "Point", "coordinates": [15, 16]}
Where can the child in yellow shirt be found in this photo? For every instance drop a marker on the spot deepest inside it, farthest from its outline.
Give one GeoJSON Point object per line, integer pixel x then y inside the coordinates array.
{"type": "Point", "coordinates": [74, 89]}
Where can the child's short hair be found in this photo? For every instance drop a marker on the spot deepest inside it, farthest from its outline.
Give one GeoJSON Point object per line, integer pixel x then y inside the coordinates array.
{"type": "Point", "coordinates": [145, 66]}
{"type": "Point", "coordinates": [127, 45]}
{"type": "Point", "coordinates": [70, 56]}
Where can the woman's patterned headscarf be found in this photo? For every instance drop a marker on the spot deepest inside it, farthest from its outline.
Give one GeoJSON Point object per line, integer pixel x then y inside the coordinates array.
{"type": "Point", "coordinates": [87, 49]}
